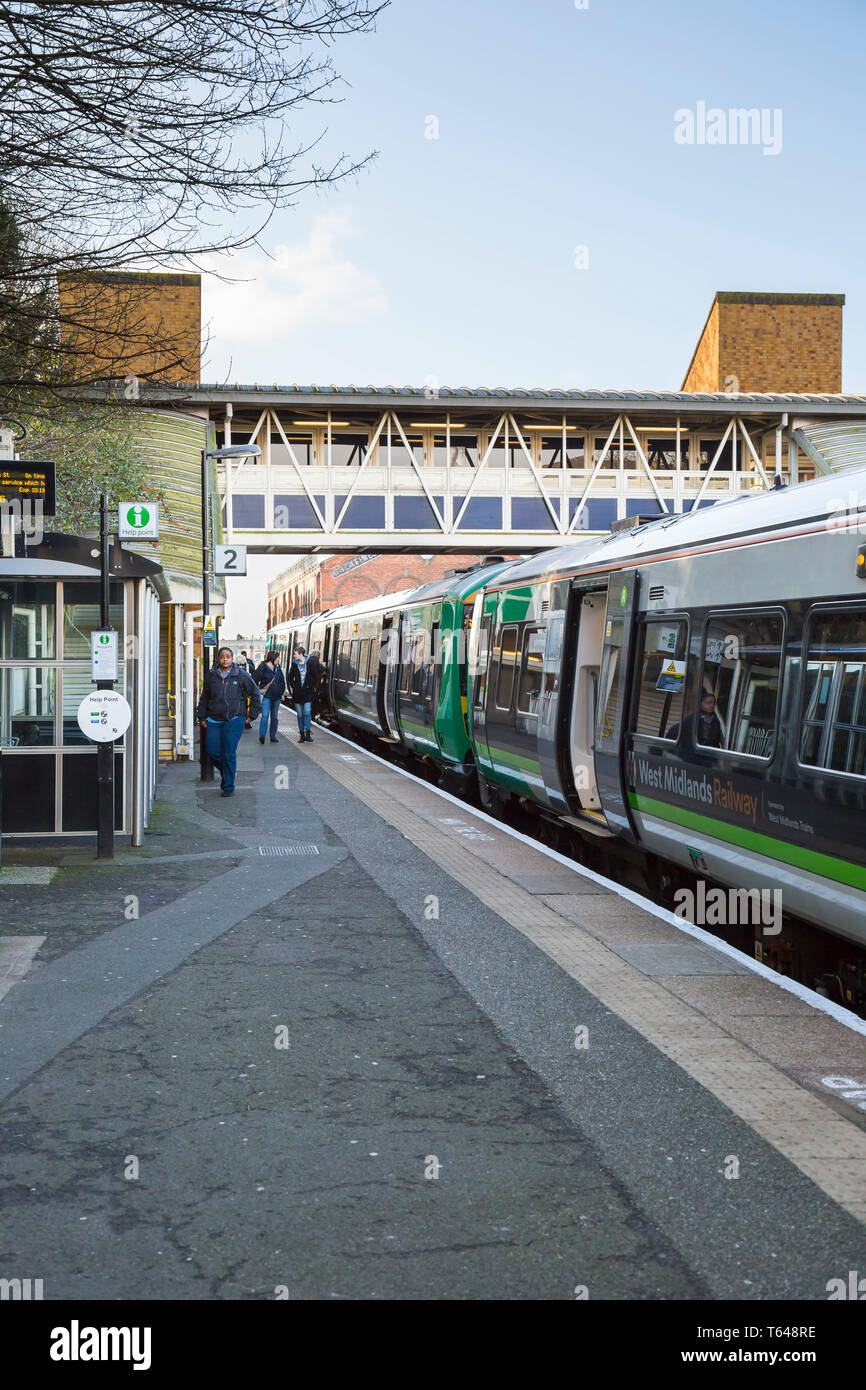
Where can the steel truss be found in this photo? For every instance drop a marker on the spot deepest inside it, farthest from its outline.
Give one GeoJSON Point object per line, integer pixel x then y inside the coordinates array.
{"type": "Point", "coordinates": [417, 457]}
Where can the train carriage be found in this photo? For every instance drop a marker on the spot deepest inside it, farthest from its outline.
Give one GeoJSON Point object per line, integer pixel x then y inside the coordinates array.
{"type": "Point", "coordinates": [593, 666]}
{"type": "Point", "coordinates": [395, 666]}
{"type": "Point", "coordinates": [689, 694]}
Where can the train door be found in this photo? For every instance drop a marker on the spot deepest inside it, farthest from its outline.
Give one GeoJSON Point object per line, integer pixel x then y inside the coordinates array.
{"type": "Point", "coordinates": [326, 705]}
{"type": "Point", "coordinates": [477, 679]}
{"type": "Point", "coordinates": [591, 609]}
{"type": "Point", "coordinates": [613, 696]}
{"type": "Point", "coordinates": [383, 669]}
{"type": "Point", "coordinates": [549, 643]}
{"type": "Point", "coordinates": [389, 673]}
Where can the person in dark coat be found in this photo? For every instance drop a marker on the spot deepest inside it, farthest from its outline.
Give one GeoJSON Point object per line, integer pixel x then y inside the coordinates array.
{"type": "Point", "coordinates": [304, 677]}
{"type": "Point", "coordinates": [707, 728]}
{"type": "Point", "coordinates": [222, 710]}
{"type": "Point", "coordinates": [272, 684]}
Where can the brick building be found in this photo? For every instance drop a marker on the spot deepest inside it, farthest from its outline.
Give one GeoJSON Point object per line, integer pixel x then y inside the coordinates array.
{"type": "Point", "coordinates": [769, 342]}
{"type": "Point", "coordinates": [314, 583]}
{"type": "Point", "coordinates": [133, 324]}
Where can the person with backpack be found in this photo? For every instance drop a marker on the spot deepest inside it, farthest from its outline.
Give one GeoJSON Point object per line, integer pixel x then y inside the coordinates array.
{"type": "Point", "coordinates": [303, 679]}
{"type": "Point", "coordinates": [272, 684]}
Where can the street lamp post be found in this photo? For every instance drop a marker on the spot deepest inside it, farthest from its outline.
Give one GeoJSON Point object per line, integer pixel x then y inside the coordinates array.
{"type": "Point", "coordinates": [231, 451]}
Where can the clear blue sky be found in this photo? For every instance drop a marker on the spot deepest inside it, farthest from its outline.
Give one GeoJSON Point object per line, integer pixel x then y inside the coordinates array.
{"type": "Point", "coordinates": [454, 258]}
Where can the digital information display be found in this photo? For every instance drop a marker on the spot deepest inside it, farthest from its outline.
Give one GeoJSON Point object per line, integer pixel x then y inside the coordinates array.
{"type": "Point", "coordinates": [29, 481]}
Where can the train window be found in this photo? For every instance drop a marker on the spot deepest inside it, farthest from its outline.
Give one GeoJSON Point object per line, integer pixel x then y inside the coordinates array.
{"type": "Point", "coordinates": [610, 695]}
{"type": "Point", "coordinates": [481, 656]}
{"type": "Point", "coordinates": [740, 683]}
{"type": "Point", "coordinates": [834, 693]}
{"type": "Point", "coordinates": [408, 663]}
{"type": "Point", "coordinates": [529, 688]}
{"type": "Point", "coordinates": [661, 685]}
{"type": "Point", "coordinates": [553, 662]}
{"type": "Point", "coordinates": [507, 662]}
{"type": "Point", "coordinates": [363, 669]}
{"type": "Point", "coordinates": [406, 667]}
{"type": "Point", "coordinates": [416, 660]}
{"type": "Point", "coordinates": [435, 669]}
{"type": "Point", "coordinates": [343, 666]}
{"type": "Point", "coordinates": [352, 673]}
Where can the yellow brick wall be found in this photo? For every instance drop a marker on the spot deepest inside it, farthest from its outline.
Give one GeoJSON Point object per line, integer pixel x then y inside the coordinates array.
{"type": "Point", "coordinates": [769, 343]}
{"type": "Point", "coordinates": [133, 325]}
{"type": "Point", "coordinates": [703, 373]}
{"type": "Point", "coordinates": [781, 347]}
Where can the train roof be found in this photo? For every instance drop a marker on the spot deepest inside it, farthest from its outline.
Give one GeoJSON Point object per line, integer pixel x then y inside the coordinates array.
{"type": "Point", "coordinates": [460, 585]}
{"type": "Point", "coordinates": [753, 512]}
{"type": "Point", "coordinates": [291, 623]}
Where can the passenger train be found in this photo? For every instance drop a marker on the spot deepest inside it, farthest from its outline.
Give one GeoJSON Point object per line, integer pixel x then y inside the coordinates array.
{"type": "Point", "coordinates": [690, 691]}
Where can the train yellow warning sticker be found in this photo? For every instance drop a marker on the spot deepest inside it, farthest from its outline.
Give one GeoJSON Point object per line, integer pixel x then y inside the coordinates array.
{"type": "Point", "coordinates": [671, 676]}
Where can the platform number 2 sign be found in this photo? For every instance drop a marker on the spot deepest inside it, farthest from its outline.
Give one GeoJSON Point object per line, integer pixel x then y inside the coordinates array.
{"type": "Point", "coordinates": [229, 559]}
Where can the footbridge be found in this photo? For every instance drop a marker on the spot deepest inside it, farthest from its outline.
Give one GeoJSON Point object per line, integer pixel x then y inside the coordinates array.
{"type": "Point", "coordinates": [457, 470]}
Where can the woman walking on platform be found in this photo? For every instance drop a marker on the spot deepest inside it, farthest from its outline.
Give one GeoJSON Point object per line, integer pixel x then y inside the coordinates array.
{"type": "Point", "coordinates": [303, 676]}
{"type": "Point", "coordinates": [272, 683]}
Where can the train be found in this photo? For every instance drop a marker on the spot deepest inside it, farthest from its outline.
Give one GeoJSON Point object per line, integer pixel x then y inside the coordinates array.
{"type": "Point", "coordinates": [688, 692]}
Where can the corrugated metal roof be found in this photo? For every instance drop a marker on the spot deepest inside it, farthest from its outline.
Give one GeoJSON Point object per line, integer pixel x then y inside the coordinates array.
{"type": "Point", "coordinates": [171, 445]}
{"type": "Point", "coordinates": [609, 396]}
{"type": "Point", "coordinates": [840, 445]}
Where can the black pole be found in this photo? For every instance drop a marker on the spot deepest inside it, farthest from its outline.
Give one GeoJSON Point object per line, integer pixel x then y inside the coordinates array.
{"type": "Point", "coordinates": [104, 751]}
{"type": "Point", "coordinates": [205, 764]}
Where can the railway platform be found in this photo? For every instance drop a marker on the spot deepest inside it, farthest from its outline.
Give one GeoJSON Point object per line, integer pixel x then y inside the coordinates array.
{"type": "Point", "coordinates": [343, 1037]}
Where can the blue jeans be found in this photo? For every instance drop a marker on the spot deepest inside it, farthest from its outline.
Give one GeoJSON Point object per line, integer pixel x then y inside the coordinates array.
{"type": "Point", "coordinates": [304, 712]}
{"type": "Point", "coordinates": [223, 738]}
{"type": "Point", "coordinates": [270, 711]}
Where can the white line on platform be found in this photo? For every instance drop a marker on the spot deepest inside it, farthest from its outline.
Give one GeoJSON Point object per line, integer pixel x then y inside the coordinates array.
{"type": "Point", "coordinates": [809, 996]}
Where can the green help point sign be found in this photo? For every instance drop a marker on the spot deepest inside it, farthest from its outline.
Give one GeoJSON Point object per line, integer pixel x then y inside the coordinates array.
{"type": "Point", "coordinates": [138, 521]}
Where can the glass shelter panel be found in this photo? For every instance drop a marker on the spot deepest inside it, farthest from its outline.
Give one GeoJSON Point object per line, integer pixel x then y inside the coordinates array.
{"type": "Point", "coordinates": [27, 613]}
{"type": "Point", "coordinates": [81, 617]}
{"type": "Point", "coordinates": [27, 706]}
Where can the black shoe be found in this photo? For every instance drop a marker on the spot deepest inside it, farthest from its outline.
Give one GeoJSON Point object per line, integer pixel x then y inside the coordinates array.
{"type": "Point", "coordinates": [273, 740]}
{"type": "Point", "coordinates": [261, 740]}
{"type": "Point", "coordinates": [231, 793]}
{"type": "Point", "coordinates": [309, 737]}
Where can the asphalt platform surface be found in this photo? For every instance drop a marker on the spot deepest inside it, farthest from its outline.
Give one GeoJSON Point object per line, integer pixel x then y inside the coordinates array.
{"type": "Point", "coordinates": [241, 1075]}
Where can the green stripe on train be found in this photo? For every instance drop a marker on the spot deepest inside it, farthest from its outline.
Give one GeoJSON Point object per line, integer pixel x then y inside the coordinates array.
{"type": "Point", "coordinates": [811, 860]}
{"type": "Point", "coordinates": [515, 760]}
{"type": "Point", "coordinates": [419, 731]}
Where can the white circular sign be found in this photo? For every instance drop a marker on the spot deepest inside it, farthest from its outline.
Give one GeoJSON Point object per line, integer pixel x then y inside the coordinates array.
{"type": "Point", "coordinates": [104, 715]}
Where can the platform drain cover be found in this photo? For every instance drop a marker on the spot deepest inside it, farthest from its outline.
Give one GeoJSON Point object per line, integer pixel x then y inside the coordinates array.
{"type": "Point", "coordinates": [288, 849]}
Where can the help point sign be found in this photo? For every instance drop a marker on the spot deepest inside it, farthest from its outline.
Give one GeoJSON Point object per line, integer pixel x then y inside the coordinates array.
{"type": "Point", "coordinates": [138, 521]}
